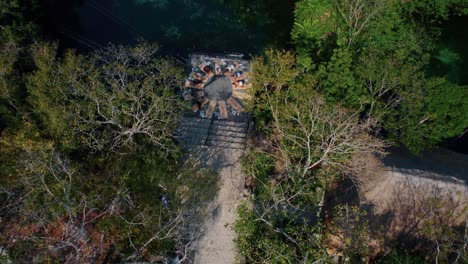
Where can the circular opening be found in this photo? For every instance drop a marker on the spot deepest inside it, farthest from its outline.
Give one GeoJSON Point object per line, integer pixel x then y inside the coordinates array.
{"type": "Point", "coordinates": [219, 88]}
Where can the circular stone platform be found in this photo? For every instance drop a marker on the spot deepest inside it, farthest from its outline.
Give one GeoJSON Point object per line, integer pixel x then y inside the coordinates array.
{"type": "Point", "coordinates": [219, 88]}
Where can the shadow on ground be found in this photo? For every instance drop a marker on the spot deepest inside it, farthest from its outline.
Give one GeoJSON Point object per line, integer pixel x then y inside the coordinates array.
{"type": "Point", "coordinates": [438, 163]}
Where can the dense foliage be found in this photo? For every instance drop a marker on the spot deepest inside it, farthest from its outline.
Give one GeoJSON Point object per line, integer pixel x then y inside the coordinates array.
{"type": "Point", "coordinates": [306, 146]}
{"type": "Point", "coordinates": [90, 169]}
{"type": "Point", "coordinates": [374, 55]}
{"type": "Point", "coordinates": [361, 74]}
{"type": "Point", "coordinates": [89, 166]}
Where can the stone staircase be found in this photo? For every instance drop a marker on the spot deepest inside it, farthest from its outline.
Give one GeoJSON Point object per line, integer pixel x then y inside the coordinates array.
{"type": "Point", "coordinates": [214, 132]}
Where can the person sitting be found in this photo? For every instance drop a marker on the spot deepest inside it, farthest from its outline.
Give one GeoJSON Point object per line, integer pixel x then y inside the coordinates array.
{"type": "Point", "coordinates": [229, 74]}
{"type": "Point", "coordinates": [194, 84]}
{"type": "Point", "coordinates": [232, 67]}
{"type": "Point", "coordinates": [240, 76]}
{"type": "Point", "coordinates": [195, 107]}
{"type": "Point", "coordinates": [207, 70]}
{"type": "Point", "coordinates": [239, 85]}
{"type": "Point", "coordinates": [200, 76]}
{"type": "Point", "coordinates": [218, 70]}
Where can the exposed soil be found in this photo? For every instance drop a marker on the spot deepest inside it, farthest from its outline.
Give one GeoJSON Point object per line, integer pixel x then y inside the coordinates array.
{"type": "Point", "coordinates": [396, 193]}
{"type": "Point", "coordinates": [408, 188]}
{"type": "Point", "coordinates": [217, 244]}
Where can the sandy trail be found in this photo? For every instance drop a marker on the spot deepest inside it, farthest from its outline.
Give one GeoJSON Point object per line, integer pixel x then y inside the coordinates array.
{"type": "Point", "coordinates": [439, 174]}
{"type": "Point", "coordinates": [217, 244]}
{"type": "Point", "coordinates": [406, 187]}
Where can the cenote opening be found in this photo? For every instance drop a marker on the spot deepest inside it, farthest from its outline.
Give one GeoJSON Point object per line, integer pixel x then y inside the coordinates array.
{"type": "Point", "coordinates": [185, 26]}
{"type": "Point", "coordinates": [179, 26]}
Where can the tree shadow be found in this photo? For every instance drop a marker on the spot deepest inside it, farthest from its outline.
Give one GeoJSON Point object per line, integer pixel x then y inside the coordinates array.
{"type": "Point", "coordinates": [419, 215]}
{"type": "Point", "coordinates": [438, 164]}
{"type": "Point", "coordinates": [415, 217]}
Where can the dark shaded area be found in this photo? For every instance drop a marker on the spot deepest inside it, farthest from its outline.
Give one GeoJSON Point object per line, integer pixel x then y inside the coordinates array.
{"type": "Point", "coordinates": [438, 161]}
{"type": "Point", "coordinates": [458, 144]}
{"type": "Point", "coordinates": [450, 59]}
{"type": "Point", "coordinates": [341, 192]}
{"type": "Point", "coordinates": [59, 19]}
{"type": "Point", "coordinates": [274, 17]}
{"type": "Point", "coordinates": [179, 26]}
{"type": "Point", "coordinates": [400, 228]}
{"type": "Point", "coordinates": [450, 56]}
{"type": "Point", "coordinates": [219, 88]}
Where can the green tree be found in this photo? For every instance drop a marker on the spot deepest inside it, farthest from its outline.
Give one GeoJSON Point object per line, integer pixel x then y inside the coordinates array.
{"type": "Point", "coordinates": [380, 55]}
{"type": "Point", "coordinates": [17, 30]}
{"type": "Point", "coordinates": [48, 92]}
{"type": "Point", "coordinates": [338, 82]}
{"type": "Point", "coordinates": [306, 131]}
{"type": "Point", "coordinates": [65, 194]}
{"type": "Point", "coordinates": [70, 211]}
{"type": "Point", "coordinates": [311, 142]}
{"type": "Point", "coordinates": [115, 100]}
{"type": "Point", "coordinates": [434, 12]}
{"type": "Point", "coordinates": [275, 71]}
{"type": "Point", "coordinates": [129, 100]}
{"type": "Point", "coordinates": [314, 31]}
{"type": "Point", "coordinates": [440, 112]}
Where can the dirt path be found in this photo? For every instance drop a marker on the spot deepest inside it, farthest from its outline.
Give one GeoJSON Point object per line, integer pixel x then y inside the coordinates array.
{"type": "Point", "coordinates": [407, 187]}
{"type": "Point", "coordinates": [439, 174]}
{"type": "Point", "coordinates": [217, 244]}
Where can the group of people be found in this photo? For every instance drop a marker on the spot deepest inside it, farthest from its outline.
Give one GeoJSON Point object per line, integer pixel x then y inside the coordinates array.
{"type": "Point", "coordinates": [238, 77]}
{"type": "Point", "coordinates": [204, 72]}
